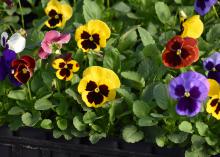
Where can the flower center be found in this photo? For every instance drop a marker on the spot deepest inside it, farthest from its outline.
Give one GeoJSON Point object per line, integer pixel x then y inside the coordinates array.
{"type": "Point", "coordinates": [66, 67]}
{"type": "Point", "coordinates": [91, 38]}
{"type": "Point", "coordinates": [97, 90]}
{"type": "Point", "coordinates": [56, 16]}
{"type": "Point", "coordinates": [214, 69]}
{"type": "Point", "coordinates": [24, 71]}
{"type": "Point", "coordinates": [187, 94]}
{"type": "Point", "coordinates": [178, 52]}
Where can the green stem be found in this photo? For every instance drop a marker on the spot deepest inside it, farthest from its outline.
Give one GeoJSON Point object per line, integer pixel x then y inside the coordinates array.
{"type": "Point", "coordinates": [215, 12]}
{"type": "Point", "coordinates": [58, 85]}
{"type": "Point", "coordinates": [29, 90]}
{"type": "Point", "coordinates": [22, 16]}
{"type": "Point", "coordinates": [108, 4]}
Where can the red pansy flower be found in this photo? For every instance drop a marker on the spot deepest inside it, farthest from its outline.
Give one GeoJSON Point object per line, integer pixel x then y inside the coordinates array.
{"type": "Point", "coordinates": [23, 68]}
{"type": "Point", "coordinates": [180, 52]}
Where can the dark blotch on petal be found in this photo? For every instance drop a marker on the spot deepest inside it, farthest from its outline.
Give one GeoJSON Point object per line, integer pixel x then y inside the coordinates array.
{"type": "Point", "coordinates": [61, 65]}
{"type": "Point", "coordinates": [87, 44]}
{"type": "Point", "coordinates": [194, 92]}
{"type": "Point", "coordinates": [96, 38]}
{"type": "Point", "coordinates": [52, 13]}
{"type": "Point", "coordinates": [85, 35]}
{"type": "Point", "coordinates": [70, 66]}
{"type": "Point", "coordinates": [214, 75]}
{"type": "Point", "coordinates": [97, 98]}
{"type": "Point", "coordinates": [217, 67]}
{"type": "Point", "coordinates": [104, 90]}
{"type": "Point", "coordinates": [176, 45]}
{"type": "Point", "coordinates": [217, 109]}
{"type": "Point", "coordinates": [179, 90]}
{"type": "Point", "coordinates": [184, 53]}
{"type": "Point", "coordinates": [53, 22]}
{"type": "Point", "coordinates": [91, 86]}
{"type": "Point", "coordinates": [173, 59]}
{"type": "Point", "coordinates": [214, 102]}
{"type": "Point", "coordinates": [209, 66]}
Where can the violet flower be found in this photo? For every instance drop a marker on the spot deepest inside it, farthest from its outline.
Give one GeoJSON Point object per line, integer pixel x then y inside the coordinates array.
{"type": "Point", "coordinates": [212, 65]}
{"type": "Point", "coordinates": [203, 6]}
{"type": "Point", "coordinates": [190, 89]}
{"type": "Point", "coordinates": [52, 40]}
{"type": "Point", "coordinates": [5, 66]}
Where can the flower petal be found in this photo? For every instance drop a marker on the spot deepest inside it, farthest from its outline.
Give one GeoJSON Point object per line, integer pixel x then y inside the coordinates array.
{"type": "Point", "coordinates": [4, 37]}
{"type": "Point", "coordinates": [17, 42]}
{"type": "Point", "coordinates": [30, 62]}
{"type": "Point", "coordinates": [67, 11]}
{"type": "Point", "coordinates": [73, 65]}
{"type": "Point", "coordinates": [214, 88]}
{"type": "Point", "coordinates": [42, 54]}
{"type": "Point", "coordinates": [57, 63]}
{"type": "Point", "coordinates": [192, 27]}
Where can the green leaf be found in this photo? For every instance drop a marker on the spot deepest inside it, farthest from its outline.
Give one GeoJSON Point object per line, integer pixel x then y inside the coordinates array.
{"type": "Point", "coordinates": [95, 137]}
{"type": "Point", "coordinates": [78, 123]}
{"type": "Point", "coordinates": [197, 142]}
{"type": "Point", "coordinates": [202, 128]}
{"type": "Point", "coordinates": [135, 77]}
{"type": "Point", "coordinates": [62, 123]}
{"type": "Point", "coordinates": [94, 13]}
{"type": "Point", "coordinates": [31, 119]}
{"type": "Point", "coordinates": [89, 117]}
{"type": "Point", "coordinates": [112, 59]}
{"type": "Point", "coordinates": [140, 108]}
{"type": "Point", "coordinates": [163, 12]}
{"type": "Point", "coordinates": [122, 7]}
{"type": "Point", "coordinates": [147, 121]}
{"type": "Point", "coordinates": [126, 95]}
{"type": "Point", "coordinates": [57, 133]}
{"type": "Point", "coordinates": [24, 11]}
{"type": "Point", "coordinates": [46, 124]}
{"type": "Point", "coordinates": [186, 126]}
{"type": "Point", "coordinates": [146, 37]}
{"type": "Point", "coordinates": [15, 111]}
{"type": "Point", "coordinates": [161, 140]}
{"type": "Point", "coordinates": [17, 94]}
{"type": "Point", "coordinates": [213, 33]}
{"type": "Point", "coordinates": [178, 137]}
{"type": "Point", "coordinates": [127, 40]}
{"type": "Point", "coordinates": [43, 104]}
{"type": "Point", "coordinates": [131, 134]}
{"type": "Point", "coordinates": [161, 95]}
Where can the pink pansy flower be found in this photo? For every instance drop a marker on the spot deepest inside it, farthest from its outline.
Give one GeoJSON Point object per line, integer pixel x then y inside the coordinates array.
{"type": "Point", "coordinates": [53, 40]}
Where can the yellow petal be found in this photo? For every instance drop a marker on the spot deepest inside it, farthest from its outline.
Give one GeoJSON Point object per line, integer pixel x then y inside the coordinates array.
{"type": "Point", "coordinates": [214, 88]}
{"type": "Point", "coordinates": [82, 84]}
{"type": "Point", "coordinates": [75, 65]}
{"type": "Point", "coordinates": [67, 11]}
{"type": "Point", "coordinates": [59, 76]}
{"type": "Point", "coordinates": [69, 77]}
{"type": "Point", "coordinates": [192, 27]}
{"type": "Point", "coordinates": [56, 63]}
{"type": "Point", "coordinates": [79, 31]}
{"type": "Point", "coordinates": [102, 42]}
{"type": "Point", "coordinates": [53, 5]}
{"type": "Point", "coordinates": [102, 76]}
{"type": "Point", "coordinates": [95, 26]}
{"type": "Point", "coordinates": [212, 109]}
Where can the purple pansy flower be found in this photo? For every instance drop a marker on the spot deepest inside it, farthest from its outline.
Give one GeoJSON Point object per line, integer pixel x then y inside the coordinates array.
{"type": "Point", "coordinates": [212, 65]}
{"type": "Point", "coordinates": [190, 89]}
{"type": "Point", "coordinates": [203, 6]}
{"type": "Point", "coordinates": [5, 66]}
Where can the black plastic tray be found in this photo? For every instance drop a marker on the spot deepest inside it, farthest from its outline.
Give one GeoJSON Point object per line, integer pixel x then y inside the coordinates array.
{"type": "Point", "coordinates": [29, 142]}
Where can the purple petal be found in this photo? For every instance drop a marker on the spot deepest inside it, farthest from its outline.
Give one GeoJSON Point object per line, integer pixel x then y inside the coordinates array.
{"type": "Point", "coordinates": [9, 55]}
{"type": "Point", "coordinates": [203, 6]}
{"type": "Point", "coordinates": [214, 75]}
{"type": "Point", "coordinates": [14, 81]}
{"type": "Point", "coordinates": [214, 59]}
{"type": "Point", "coordinates": [3, 70]}
{"type": "Point", "coordinates": [188, 107]}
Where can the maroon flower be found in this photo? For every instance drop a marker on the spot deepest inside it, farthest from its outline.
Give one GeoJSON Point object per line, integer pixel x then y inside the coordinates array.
{"type": "Point", "coordinates": [22, 69]}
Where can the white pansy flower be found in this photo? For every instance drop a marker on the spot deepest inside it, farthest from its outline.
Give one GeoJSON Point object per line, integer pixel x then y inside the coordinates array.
{"type": "Point", "coordinates": [15, 43]}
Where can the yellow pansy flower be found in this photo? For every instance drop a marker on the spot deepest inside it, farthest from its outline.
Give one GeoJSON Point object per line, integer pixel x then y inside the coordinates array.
{"type": "Point", "coordinates": [65, 68]}
{"type": "Point", "coordinates": [192, 27]}
{"type": "Point", "coordinates": [213, 105]}
{"type": "Point", "coordinates": [98, 86]}
{"type": "Point", "coordinates": [58, 12]}
{"type": "Point", "coordinates": [92, 36]}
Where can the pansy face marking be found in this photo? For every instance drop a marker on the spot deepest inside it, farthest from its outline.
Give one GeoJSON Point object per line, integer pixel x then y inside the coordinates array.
{"type": "Point", "coordinates": [190, 89]}
{"type": "Point", "coordinates": [180, 52]}
{"type": "Point", "coordinates": [55, 18]}
{"type": "Point", "coordinates": [65, 68]}
{"type": "Point", "coordinates": [92, 36]}
{"type": "Point", "coordinates": [212, 65]}
{"type": "Point", "coordinates": [203, 6]}
{"type": "Point", "coordinates": [98, 86]}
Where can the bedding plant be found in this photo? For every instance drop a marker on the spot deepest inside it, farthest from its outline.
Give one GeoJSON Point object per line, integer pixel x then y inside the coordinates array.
{"type": "Point", "coordinates": [140, 70]}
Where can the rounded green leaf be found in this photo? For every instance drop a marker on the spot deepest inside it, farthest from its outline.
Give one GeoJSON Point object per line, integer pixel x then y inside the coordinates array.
{"type": "Point", "coordinates": [43, 104]}
{"type": "Point", "coordinates": [186, 126]}
{"type": "Point", "coordinates": [131, 134]}
{"type": "Point", "coordinates": [46, 124]}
